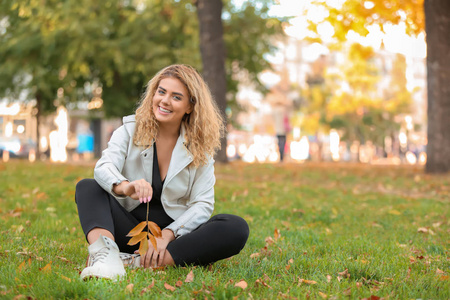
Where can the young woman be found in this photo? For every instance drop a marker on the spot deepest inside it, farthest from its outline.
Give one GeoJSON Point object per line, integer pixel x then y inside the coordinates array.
{"type": "Point", "coordinates": [162, 155]}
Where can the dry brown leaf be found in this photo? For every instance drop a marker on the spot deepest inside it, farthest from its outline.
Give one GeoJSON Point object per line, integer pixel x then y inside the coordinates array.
{"type": "Point", "coordinates": [47, 268]}
{"type": "Point", "coordinates": [323, 295]}
{"type": "Point", "coordinates": [144, 290]}
{"type": "Point", "coordinates": [422, 230]}
{"type": "Point", "coordinates": [254, 255]}
{"type": "Point", "coordinates": [269, 240]}
{"type": "Point", "coordinates": [276, 234]}
{"type": "Point", "coordinates": [137, 238]}
{"type": "Point", "coordinates": [179, 283]}
{"type": "Point", "coordinates": [329, 278]}
{"type": "Point", "coordinates": [291, 261]}
{"type": "Point", "coordinates": [169, 287]}
{"type": "Point", "coordinates": [344, 274]}
{"type": "Point", "coordinates": [20, 267]}
{"type": "Point", "coordinates": [372, 297]}
{"type": "Point", "coordinates": [438, 271]}
{"type": "Point", "coordinates": [305, 281]}
{"type": "Point", "coordinates": [242, 284]}
{"type": "Point", "coordinates": [138, 229]}
{"type": "Point", "coordinates": [152, 240]}
{"type": "Point", "coordinates": [129, 288]}
{"type": "Point", "coordinates": [189, 277]}
{"type": "Point", "coordinates": [143, 247]}
{"type": "Point", "coordinates": [288, 267]}
{"type": "Point", "coordinates": [347, 292]}
{"type": "Point", "coordinates": [154, 228]}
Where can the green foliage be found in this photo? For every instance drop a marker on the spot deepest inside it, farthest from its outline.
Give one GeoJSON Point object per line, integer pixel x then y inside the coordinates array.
{"type": "Point", "coordinates": [119, 45]}
{"type": "Point", "coordinates": [387, 226]}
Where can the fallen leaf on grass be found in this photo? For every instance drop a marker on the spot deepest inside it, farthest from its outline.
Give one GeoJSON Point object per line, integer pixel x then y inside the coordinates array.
{"type": "Point", "coordinates": [425, 230]}
{"type": "Point", "coordinates": [344, 274]}
{"type": "Point", "coordinates": [347, 292]}
{"type": "Point", "coordinates": [47, 268]}
{"type": "Point", "coordinates": [254, 255]}
{"type": "Point", "coordinates": [242, 284]}
{"type": "Point", "coordinates": [269, 240]}
{"type": "Point", "coordinates": [21, 266]}
{"type": "Point", "coordinates": [129, 288]}
{"type": "Point", "coordinates": [144, 290]}
{"type": "Point", "coordinates": [329, 278]}
{"type": "Point", "coordinates": [323, 295]}
{"type": "Point", "coordinates": [305, 281]}
{"type": "Point", "coordinates": [66, 278]}
{"type": "Point", "coordinates": [394, 212]}
{"type": "Point", "coordinates": [438, 271]}
{"type": "Point", "coordinates": [276, 234]}
{"type": "Point", "coordinates": [189, 277]}
{"type": "Point", "coordinates": [372, 297]}
{"type": "Point", "coordinates": [291, 261]}
{"type": "Point", "coordinates": [288, 267]}
{"type": "Point", "coordinates": [169, 287]}
{"type": "Point", "coordinates": [179, 283]}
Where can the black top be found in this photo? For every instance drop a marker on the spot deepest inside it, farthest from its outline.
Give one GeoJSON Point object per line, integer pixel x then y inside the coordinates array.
{"type": "Point", "coordinates": [156, 212]}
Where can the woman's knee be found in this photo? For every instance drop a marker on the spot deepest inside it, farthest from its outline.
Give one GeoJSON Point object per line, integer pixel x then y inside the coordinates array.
{"type": "Point", "coordinates": [86, 183]}
{"type": "Point", "coordinates": [237, 226]}
{"type": "Point", "coordinates": [85, 187]}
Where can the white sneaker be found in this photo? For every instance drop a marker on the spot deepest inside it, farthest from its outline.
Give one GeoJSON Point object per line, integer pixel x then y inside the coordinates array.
{"type": "Point", "coordinates": [131, 261]}
{"type": "Point", "coordinates": [104, 260]}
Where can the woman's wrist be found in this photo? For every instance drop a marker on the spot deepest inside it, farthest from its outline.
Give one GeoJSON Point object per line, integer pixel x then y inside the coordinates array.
{"type": "Point", "coordinates": [168, 234]}
{"type": "Point", "coordinates": [118, 188]}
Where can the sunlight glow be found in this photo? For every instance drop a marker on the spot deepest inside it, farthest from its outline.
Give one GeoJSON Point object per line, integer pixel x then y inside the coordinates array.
{"type": "Point", "coordinates": [58, 138]}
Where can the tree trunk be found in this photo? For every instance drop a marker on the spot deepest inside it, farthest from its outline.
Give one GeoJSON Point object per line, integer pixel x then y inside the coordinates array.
{"type": "Point", "coordinates": [212, 49]}
{"type": "Point", "coordinates": [437, 23]}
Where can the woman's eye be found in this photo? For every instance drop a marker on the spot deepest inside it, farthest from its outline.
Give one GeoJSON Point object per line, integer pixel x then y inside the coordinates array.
{"type": "Point", "coordinates": [177, 98]}
{"type": "Point", "coordinates": [161, 92]}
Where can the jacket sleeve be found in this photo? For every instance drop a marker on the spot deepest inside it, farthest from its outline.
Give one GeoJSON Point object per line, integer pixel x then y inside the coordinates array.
{"type": "Point", "coordinates": [200, 204]}
{"type": "Point", "coordinates": [108, 169]}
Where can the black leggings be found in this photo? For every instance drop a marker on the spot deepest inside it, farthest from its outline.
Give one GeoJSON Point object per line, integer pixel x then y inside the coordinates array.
{"type": "Point", "coordinates": [220, 237]}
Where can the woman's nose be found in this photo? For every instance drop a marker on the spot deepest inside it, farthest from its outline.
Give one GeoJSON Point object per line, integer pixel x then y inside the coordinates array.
{"type": "Point", "coordinates": [166, 99]}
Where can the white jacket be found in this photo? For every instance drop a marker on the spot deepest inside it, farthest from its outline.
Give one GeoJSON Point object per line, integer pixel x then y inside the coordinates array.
{"type": "Point", "coordinates": [188, 192]}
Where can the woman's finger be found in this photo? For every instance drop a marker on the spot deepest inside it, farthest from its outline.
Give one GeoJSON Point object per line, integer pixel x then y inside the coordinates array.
{"type": "Point", "coordinates": [161, 258]}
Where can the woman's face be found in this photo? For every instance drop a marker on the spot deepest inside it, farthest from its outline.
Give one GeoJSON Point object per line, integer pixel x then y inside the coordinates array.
{"type": "Point", "coordinates": [171, 102]}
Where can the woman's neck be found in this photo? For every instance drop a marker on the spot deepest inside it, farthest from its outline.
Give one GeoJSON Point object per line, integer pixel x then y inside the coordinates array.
{"type": "Point", "coordinates": [168, 132]}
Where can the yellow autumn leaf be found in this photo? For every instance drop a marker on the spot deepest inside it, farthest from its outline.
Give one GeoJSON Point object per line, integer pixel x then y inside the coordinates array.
{"type": "Point", "coordinates": [394, 212]}
{"type": "Point", "coordinates": [138, 229]}
{"type": "Point", "coordinates": [154, 228]}
{"type": "Point", "coordinates": [143, 247]}
{"type": "Point", "coordinates": [47, 268]}
{"type": "Point", "coordinates": [137, 238]}
{"type": "Point", "coordinates": [152, 240]}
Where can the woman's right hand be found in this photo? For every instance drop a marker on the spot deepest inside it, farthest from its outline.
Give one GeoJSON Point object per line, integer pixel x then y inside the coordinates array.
{"type": "Point", "coordinates": [138, 190]}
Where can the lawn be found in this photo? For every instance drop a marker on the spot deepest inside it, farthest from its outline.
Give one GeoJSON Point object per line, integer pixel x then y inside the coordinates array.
{"type": "Point", "coordinates": [332, 231]}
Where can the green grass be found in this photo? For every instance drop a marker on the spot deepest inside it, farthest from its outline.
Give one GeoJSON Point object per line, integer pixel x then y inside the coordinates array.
{"type": "Point", "coordinates": [330, 217]}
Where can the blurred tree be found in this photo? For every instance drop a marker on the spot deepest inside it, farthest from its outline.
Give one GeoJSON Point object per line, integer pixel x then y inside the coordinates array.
{"type": "Point", "coordinates": [213, 57]}
{"type": "Point", "coordinates": [354, 107]}
{"type": "Point", "coordinates": [437, 16]}
{"type": "Point", "coordinates": [434, 15]}
{"type": "Point", "coordinates": [117, 46]}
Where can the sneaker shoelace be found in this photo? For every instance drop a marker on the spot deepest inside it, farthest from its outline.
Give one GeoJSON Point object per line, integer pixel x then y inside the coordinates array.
{"type": "Point", "coordinates": [100, 256]}
{"type": "Point", "coordinates": [128, 259]}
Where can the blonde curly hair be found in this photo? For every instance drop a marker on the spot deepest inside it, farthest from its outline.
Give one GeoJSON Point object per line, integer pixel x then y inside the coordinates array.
{"type": "Point", "coordinates": [204, 125]}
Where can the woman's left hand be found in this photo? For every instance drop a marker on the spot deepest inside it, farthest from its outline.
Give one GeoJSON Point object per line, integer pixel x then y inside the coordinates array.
{"type": "Point", "coordinates": [155, 257]}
